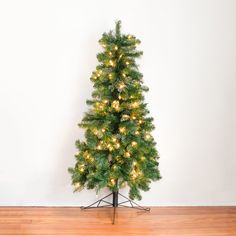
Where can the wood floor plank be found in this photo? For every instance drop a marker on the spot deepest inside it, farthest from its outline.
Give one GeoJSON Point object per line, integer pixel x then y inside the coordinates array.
{"type": "Point", "coordinates": [176, 221]}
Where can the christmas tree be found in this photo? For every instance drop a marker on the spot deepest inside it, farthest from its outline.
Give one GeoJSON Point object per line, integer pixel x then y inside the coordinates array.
{"type": "Point", "coordinates": [119, 149]}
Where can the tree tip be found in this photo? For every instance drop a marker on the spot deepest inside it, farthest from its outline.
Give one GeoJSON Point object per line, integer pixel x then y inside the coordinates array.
{"type": "Point", "coordinates": [118, 27]}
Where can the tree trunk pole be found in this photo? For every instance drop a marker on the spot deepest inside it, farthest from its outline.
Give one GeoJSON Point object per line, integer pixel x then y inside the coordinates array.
{"type": "Point", "coordinates": [115, 203]}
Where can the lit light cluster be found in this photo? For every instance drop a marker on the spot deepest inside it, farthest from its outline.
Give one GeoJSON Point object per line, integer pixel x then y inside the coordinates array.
{"type": "Point", "coordinates": [135, 174]}
{"type": "Point", "coordinates": [127, 154]}
{"type": "Point", "coordinates": [134, 144]}
{"type": "Point", "coordinates": [81, 168]}
{"type": "Point", "coordinates": [134, 104]}
{"type": "Point", "coordinates": [111, 63]}
{"type": "Point", "coordinates": [77, 185]}
{"type": "Point", "coordinates": [116, 105]}
{"type": "Point", "coordinates": [122, 130]}
{"type": "Point", "coordinates": [99, 105]}
{"type": "Point", "coordinates": [121, 86]}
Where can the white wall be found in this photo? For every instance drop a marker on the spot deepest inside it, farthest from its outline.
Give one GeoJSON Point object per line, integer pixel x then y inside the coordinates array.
{"type": "Point", "coordinates": [47, 53]}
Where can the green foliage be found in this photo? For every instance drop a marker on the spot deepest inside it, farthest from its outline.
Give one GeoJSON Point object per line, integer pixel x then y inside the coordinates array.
{"type": "Point", "coordinates": [119, 149]}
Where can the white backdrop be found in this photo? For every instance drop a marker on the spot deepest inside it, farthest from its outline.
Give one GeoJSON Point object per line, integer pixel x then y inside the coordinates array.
{"type": "Point", "coordinates": [47, 53]}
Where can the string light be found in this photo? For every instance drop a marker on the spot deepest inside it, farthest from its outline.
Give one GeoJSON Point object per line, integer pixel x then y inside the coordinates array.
{"type": "Point", "coordinates": [125, 117]}
{"type": "Point", "coordinates": [99, 105]}
{"type": "Point", "coordinates": [116, 105]}
{"type": "Point", "coordinates": [133, 143]}
{"type": "Point", "coordinates": [113, 181]}
{"type": "Point", "coordinates": [87, 155]}
{"type": "Point", "coordinates": [103, 45]}
{"type": "Point", "coordinates": [77, 185]}
{"type": "Point", "coordinates": [116, 48]}
{"type": "Point", "coordinates": [99, 72]}
{"type": "Point", "coordinates": [95, 131]}
{"type": "Point", "coordinates": [111, 63]}
{"type": "Point", "coordinates": [127, 154]}
{"type": "Point", "coordinates": [134, 174]}
{"type": "Point", "coordinates": [133, 117]}
{"type": "Point", "coordinates": [99, 147]}
{"type": "Point", "coordinates": [135, 104]}
{"type": "Point", "coordinates": [110, 53]}
{"type": "Point", "coordinates": [103, 130]}
{"type": "Point", "coordinates": [129, 36]}
{"type": "Point", "coordinates": [110, 76]}
{"type": "Point", "coordinates": [114, 139]}
{"type": "Point", "coordinates": [124, 75]}
{"type": "Point", "coordinates": [137, 43]}
{"type": "Point", "coordinates": [147, 136]}
{"type": "Point", "coordinates": [142, 158]}
{"type": "Point", "coordinates": [120, 56]}
{"type": "Point", "coordinates": [109, 146]}
{"type": "Point", "coordinates": [105, 101]}
{"type": "Point", "coordinates": [117, 145]}
{"type": "Point", "coordinates": [134, 163]}
{"type": "Point", "coordinates": [140, 121]}
{"type": "Point", "coordinates": [127, 62]}
{"type": "Point", "coordinates": [136, 132]}
{"type": "Point", "coordinates": [121, 85]}
{"type": "Point", "coordinates": [122, 129]}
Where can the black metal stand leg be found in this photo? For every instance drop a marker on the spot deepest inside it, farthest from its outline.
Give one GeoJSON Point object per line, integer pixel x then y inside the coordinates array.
{"type": "Point", "coordinates": [132, 203]}
{"type": "Point", "coordinates": [98, 202]}
{"type": "Point", "coordinates": [114, 204]}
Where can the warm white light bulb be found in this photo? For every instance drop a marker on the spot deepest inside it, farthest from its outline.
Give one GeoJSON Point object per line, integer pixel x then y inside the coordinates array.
{"type": "Point", "coordinates": [140, 121]}
{"type": "Point", "coordinates": [121, 85]}
{"type": "Point", "coordinates": [133, 143]}
{"type": "Point", "coordinates": [127, 154]}
{"type": "Point", "coordinates": [135, 104]}
{"type": "Point", "coordinates": [122, 129]}
{"type": "Point", "coordinates": [77, 185]}
{"type": "Point", "coordinates": [111, 63]}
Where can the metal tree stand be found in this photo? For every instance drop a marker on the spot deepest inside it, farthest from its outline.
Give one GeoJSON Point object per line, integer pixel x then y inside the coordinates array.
{"type": "Point", "coordinates": [115, 204]}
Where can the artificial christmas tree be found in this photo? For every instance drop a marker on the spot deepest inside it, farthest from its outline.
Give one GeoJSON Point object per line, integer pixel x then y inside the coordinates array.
{"type": "Point", "coordinates": [119, 149]}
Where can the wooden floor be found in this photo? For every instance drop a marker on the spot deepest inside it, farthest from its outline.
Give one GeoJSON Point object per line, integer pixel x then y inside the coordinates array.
{"type": "Point", "coordinates": [174, 221]}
